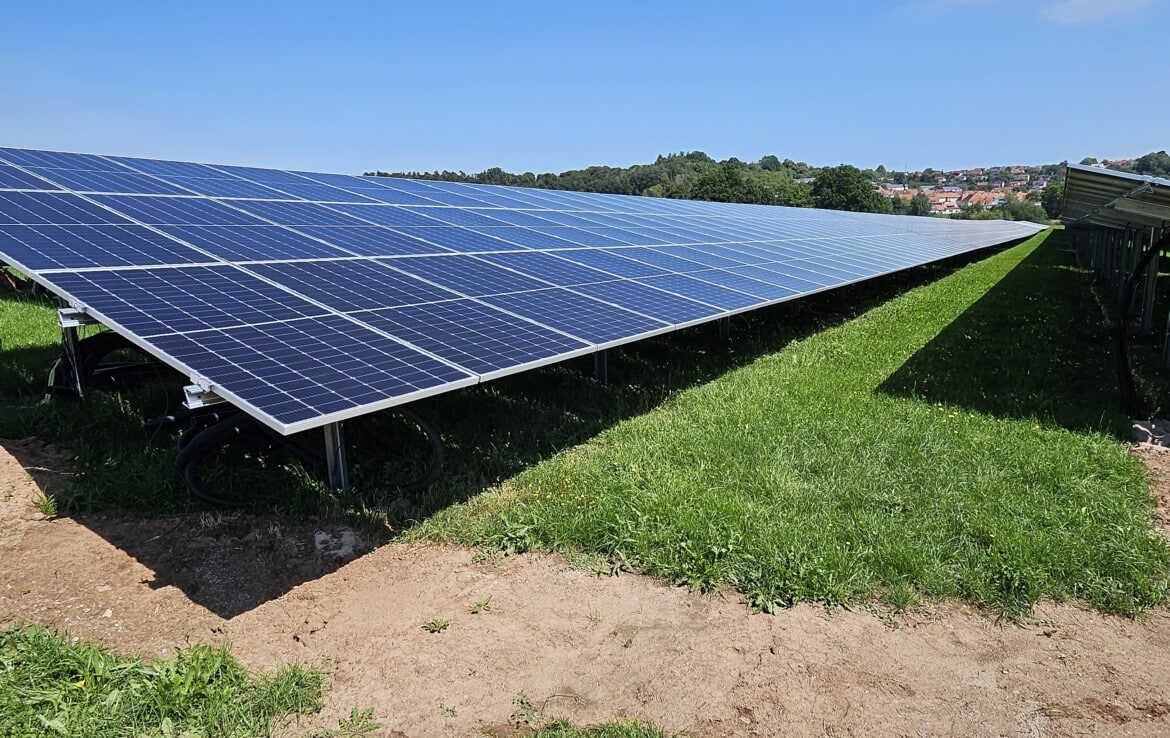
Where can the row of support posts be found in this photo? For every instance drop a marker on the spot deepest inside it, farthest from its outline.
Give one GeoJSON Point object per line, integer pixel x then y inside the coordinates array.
{"type": "Point", "coordinates": [1113, 254]}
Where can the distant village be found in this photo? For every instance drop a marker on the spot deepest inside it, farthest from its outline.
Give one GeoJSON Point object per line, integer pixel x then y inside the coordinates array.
{"type": "Point", "coordinates": [984, 188]}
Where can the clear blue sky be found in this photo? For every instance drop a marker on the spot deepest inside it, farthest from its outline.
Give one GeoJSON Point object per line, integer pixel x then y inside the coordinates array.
{"type": "Point", "coordinates": [547, 86]}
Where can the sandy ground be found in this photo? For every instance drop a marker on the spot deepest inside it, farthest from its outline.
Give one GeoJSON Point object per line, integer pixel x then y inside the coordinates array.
{"type": "Point", "coordinates": [587, 648]}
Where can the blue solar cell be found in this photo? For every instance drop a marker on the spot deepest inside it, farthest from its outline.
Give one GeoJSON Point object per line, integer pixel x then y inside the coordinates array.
{"type": "Point", "coordinates": [612, 262]}
{"type": "Point", "coordinates": [592, 320]}
{"type": "Point", "coordinates": [344, 181]}
{"type": "Point", "coordinates": [744, 252]}
{"type": "Point", "coordinates": [550, 268]}
{"type": "Point", "coordinates": [353, 284]}
{"type": "Point", "coordinates": [169, 169]}
{"type": "Point", "coordinates": [660, 258]}
{"type": "Point", "coordinates": [74, 247]}
{"type": "Point", "coordinates": [176, 210]}
{"type": "Point", "coordinates": [465, 275]}
{"type": "Point", "coordinates": [392, 215]}
{"type": "Point", "coordinates": [296, 213]}
{"type": "Point", "coordinates": [12, 178]}
{"type": "Point", "coordinates": [418, 187]}
{"type": "Point", "coordinates": [394, 196]}
{"type": "Point", "coordinates": [568, 219]}
{"type": "Point", "coordinates": [303, 370]}
{"type": "Point", "coordinates": [680, 236]}
{"type": "Point", "coordinates": [478, 338]}
{"type": "Point", "coordinates": [794, 279]}
{"type": "Point", "coordinates": [581, 236]}
{"type": "Point", "coordinates": [604, 220]}
{"type": "Point", "coordinates": [50, 208]}
{"type": "Point", "coordinates": [458, 239]}
{"type": "Point", "coordinates": [513, 217]}
{"type": "Point", "coordinates": [790, 249]}
{"type": "Point", "coordinates": [465, 217]}
{"type": "Point", "coordinates": [227, 187]}
{"type": "Point", "coordinates": [819, 274]}
{"type": "Point", "coordinates": [527, 239]}
{"type": "Point", "coordinates": [372, 240]}
{"type": "Point", "coordinates": [650, 301]}
{"type": "Point", "coordinates": [762, 290]}
{"type": "Point", "coordinates": [253, 243]}
{"type": "Point", "coordinates": [635, 236]}
{"type": "Point", "coordinates": [150, 302]}
{"type": "Point", "coordinates": [273, 177]}
{"type": "Point", "coordinates": [81, 180]}
{"type": "Point", "coordinates": [706, 258]}
{"type": "Point", "coordinates": [315, 191]}
{"type": "Point", "coordinates": [703, 291]}
{"type": "Point", "coordinates": [444, 194]}
{"type": "Point", "coordinates": [492, 197]}
{"type": "Point", "coordinates": [58, 160]}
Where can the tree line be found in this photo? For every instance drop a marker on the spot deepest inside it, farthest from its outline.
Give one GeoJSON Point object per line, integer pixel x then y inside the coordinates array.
{"type": "Point", "coordinates": [1155, 163]}
{"type": "Point", "coordinates": [694, 175]}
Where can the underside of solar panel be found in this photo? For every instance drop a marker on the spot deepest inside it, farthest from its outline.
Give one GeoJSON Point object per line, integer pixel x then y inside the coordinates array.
{"type": "Point", "coordinates": [305, 299]}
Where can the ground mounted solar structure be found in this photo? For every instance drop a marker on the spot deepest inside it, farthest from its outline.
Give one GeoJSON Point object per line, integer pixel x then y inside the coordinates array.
{"type": "Point", "coordinates": [306, 299]}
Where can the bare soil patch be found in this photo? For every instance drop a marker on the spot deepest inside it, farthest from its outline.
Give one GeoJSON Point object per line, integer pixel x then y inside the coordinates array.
{"type": "Point", "coordinates": [587, 648]}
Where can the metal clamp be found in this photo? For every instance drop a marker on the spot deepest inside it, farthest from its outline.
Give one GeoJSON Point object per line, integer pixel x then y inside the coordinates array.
{"type": "Point", "coordinates": [70, 317]}
{"type": "Point", "coordinates": [196, 396]}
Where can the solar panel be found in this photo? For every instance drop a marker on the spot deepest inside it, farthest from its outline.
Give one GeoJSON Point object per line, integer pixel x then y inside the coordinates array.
{"type": "Point", "coordinates": [308, 298]}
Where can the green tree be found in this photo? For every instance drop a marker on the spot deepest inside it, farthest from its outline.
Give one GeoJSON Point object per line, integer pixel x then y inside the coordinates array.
{"type": "Point", "coordinates": [727, 183]}
{"type": "Point", "coordinates": [845, 187]}
{"type": "Point", "coordinates": [1053, 199]}
{"type": "Point", "coordinates": [1013, 208]}
{"type": "Point", "coordinates": [1089, 161]}
{"type": "Point", "coordinates": [771, 163]}
{"type": "Point", "coordinates": [919, 205]}
{"type": "Point", "coordinates": [1156, 163]}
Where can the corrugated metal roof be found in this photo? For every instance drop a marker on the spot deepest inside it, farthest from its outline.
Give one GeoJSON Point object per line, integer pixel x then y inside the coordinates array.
{"type": "Point", "coordinates": [1104, 197]}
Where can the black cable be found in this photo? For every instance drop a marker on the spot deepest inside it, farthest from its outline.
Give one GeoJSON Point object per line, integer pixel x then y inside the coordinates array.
{"type": "Point", "coordinates": [434, 444]}
{"type": "Point", "coordinates": [210, 435]}
{"type": "Point", "coordinates": [96, 372]}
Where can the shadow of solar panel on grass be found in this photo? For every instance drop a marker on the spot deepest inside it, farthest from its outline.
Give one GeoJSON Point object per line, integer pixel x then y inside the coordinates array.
{"type": "Point", "coordinates": [1030, 348]}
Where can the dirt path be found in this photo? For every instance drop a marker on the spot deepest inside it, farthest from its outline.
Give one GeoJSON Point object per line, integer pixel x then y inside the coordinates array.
{"type": "Point", "coordinates": [587, 648]}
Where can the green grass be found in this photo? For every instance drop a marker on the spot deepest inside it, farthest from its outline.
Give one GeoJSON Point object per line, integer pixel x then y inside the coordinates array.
{"type": "Point", "coordinates": [29, 342]}
{"type": "Point", "coordinates": [51, 686]}
{"type": "Point", "coordinates": [620, 729]}
{"type": "Point", "coordinates": [960, 440]}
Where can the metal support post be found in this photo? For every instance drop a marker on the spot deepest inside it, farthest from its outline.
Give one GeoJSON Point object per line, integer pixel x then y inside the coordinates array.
{"type": "Point", "coordinates": [601, 367]}
{"type": "Point", "coordinates": [1147, 319]}
{"type": "Point", "coordinates": [1132, 242]}
{"type": "Point", "coordinates": [724, 330]}
{"type": "Point", "coordinates": [69, 349]}
{"type": "Point", "coordinates": [1117, 246]}
{"type": "Point", "coordinates": [70, 319]}
{"type": "Point", "coordinates": [335, 466]}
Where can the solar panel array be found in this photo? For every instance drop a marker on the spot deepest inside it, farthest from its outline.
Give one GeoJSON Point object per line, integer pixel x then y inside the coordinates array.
{"type": "Point", "coordinates": [307, 298]}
